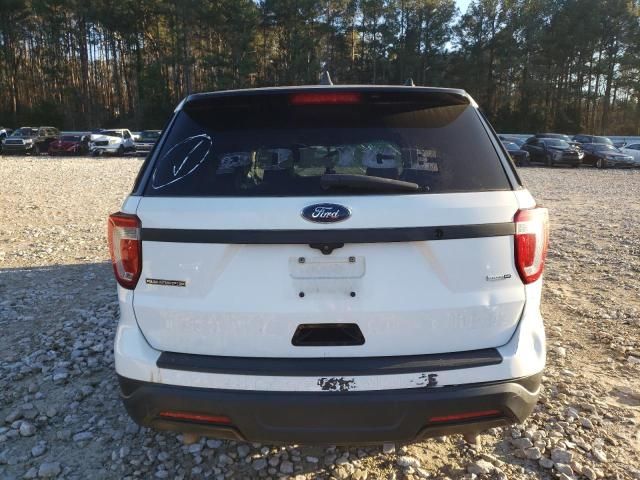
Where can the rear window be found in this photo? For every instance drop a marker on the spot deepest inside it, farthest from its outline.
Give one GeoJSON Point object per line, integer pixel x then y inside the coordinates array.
{"type": "Point", "coordinates": [289, 144]}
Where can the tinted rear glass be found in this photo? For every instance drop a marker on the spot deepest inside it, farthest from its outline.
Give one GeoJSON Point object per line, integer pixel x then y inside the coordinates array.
{"type": "Point", "coordinates": [267, 145]}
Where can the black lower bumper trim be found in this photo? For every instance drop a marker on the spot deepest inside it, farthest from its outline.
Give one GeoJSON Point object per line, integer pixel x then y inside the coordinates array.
{"type": "Point", "coordinates": [327, 366]}
{"type": "Point", "coordinates": [369, 417]}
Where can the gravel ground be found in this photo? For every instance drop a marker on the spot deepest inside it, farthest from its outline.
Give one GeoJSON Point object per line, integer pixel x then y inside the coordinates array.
{"type": "Point", "coordinates": [59, 410]}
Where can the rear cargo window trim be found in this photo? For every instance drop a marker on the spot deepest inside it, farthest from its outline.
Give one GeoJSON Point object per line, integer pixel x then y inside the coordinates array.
{"type": "Point", "coordinates": [308, 236]}
{"type": "Point", "coordinates": [505, 159]}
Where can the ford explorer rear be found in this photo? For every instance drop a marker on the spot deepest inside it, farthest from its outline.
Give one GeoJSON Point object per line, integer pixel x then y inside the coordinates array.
{"type": "Point", "coordinates": [329, 265]}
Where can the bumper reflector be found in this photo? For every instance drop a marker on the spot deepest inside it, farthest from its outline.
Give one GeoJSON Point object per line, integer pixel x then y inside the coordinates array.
{"type": "Point", "coordinates": [195, 417]}
{"type": "Point", "coordinates": [465, 416]}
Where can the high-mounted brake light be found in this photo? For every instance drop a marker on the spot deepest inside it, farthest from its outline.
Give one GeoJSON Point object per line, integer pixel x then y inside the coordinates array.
{"type": "Point", "coordinates": [531, 242]}
{"type": "Point", "coordinates": [125, 248]}
{"type": "Point", "coordinates": [324, 98]}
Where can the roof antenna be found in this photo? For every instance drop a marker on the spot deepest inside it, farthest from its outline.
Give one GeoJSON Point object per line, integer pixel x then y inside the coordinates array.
{"type": "Point", "coordinates": [409, 82]}
{"type": "Point", "coordinates": [325, 78]}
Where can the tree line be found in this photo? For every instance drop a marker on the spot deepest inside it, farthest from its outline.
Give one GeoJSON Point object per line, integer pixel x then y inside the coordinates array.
{"type": "Point", "coordinates": [532, 65]}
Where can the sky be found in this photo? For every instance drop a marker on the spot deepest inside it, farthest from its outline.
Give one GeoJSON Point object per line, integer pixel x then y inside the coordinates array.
{"type": "Point", "coordinates": [462, 5]}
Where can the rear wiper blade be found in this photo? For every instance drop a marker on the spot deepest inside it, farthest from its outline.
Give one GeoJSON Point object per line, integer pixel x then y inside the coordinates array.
{"type": "Point", "coordinates": [365, 182]}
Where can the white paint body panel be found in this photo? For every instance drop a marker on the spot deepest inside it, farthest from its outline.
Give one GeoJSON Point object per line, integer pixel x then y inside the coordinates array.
{"type": "Point", "coordinates": [367, 211]}
{"type": "Point", "coordinates": [523, 355]}
{"type": "Point", "coordinates": [411, 298]}
{"type": "Point", "coordinates": [417, 297]}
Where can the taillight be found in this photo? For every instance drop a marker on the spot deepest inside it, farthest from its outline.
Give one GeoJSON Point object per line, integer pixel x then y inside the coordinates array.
{"type": "Point", "coordinates": [531, 242]}
{"type": "Point", "coordinates": [125, 248]}
{"type": "Point", "coordinates": [459, 417]}
{"type": "Point", "coordinates": [195, 417]}
{"type": "Point", "coordinates": [324, 98]}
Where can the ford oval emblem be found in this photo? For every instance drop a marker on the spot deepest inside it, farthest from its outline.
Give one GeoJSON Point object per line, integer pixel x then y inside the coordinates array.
{"type": "Point", "coordinates": [326, 213]}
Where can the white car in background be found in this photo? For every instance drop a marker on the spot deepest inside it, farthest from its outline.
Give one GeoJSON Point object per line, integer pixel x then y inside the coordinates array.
{"type": "Point", "coordinates": [632, 149]}
{"type": "Point", "coordinates": [115, 142]}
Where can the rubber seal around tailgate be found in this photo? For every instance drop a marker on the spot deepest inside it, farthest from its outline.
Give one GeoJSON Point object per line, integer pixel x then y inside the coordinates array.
{"type": "Point", "coordinates": [309, 367]}
{"type": "Point", "coordinates": [343, 235]}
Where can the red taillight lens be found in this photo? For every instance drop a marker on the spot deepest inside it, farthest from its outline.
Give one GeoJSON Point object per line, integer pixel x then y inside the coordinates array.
{"type": "Point", "coordinates": [195, 417]}
{"type": "Point", "coordinates": [125, 248]}
{"type": "Point", "coordinates": [324, 98]}
{"type": "Point", "coordinates": [531, 242]}
{"type": "Point", "coordinates": [459, 417]}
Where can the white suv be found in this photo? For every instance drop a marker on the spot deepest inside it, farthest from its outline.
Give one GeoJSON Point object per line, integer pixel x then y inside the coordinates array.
{"type": "Point", "coordinates": [342, 265]}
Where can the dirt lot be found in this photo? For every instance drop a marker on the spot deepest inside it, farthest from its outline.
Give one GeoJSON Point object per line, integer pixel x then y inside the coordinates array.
{"type": "Point", "coordinates": [59, 408]}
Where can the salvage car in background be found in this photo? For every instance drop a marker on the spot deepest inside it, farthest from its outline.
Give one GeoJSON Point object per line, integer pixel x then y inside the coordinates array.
{"type": "Point", "coordinates": [632, 149]}
{"type": "Point", "coordinates": [4, 133]}
{"type": "Point", "coordinates": [114, 142]}
{"type": "Point", "coordinates": [603, 155]}
{"type": "Point", "coordinates": [553, 151]}
{"type": "Point", "coordinates": [29, 140]}
{"type": "Point", "coordinates": [70, 144]}
{"type": "Point", "coordinates": [520, 157]}
{"type": "Point", "coordinates": [146, 140]}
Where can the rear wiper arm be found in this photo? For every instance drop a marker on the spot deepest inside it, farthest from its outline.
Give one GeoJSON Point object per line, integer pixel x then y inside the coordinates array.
{"type": "Point", "coordinates": [365, 182]}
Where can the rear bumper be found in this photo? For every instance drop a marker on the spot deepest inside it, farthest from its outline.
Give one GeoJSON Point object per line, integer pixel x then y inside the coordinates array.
{"type": "Point", "coordinates": [368, 417]}
{"type": "Point", "coordinates": [111, 148]}
{"type": "Point", "coordinates": [307, 404]}
{"type": "Point", "coordinates": [104, 149]}
{"type": "Point", "coordinates": [64, 151]}
{"type": "Point", "coordinates": [143, 147]}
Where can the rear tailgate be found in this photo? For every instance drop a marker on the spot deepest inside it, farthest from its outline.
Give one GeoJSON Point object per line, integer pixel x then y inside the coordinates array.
{"type": "Point", "coordinates": [229, 266]}
{"type": "Point", "coordinates": [410, 297]}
